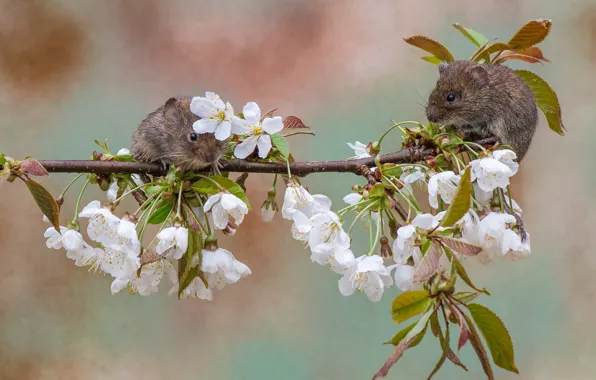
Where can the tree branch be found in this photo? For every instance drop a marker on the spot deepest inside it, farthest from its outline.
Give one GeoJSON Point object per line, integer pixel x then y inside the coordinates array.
{"type": "Point", "coordinates": [297, 168]}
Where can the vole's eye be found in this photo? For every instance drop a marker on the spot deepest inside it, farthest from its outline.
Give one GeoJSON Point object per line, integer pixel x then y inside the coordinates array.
{"type": "Point", "coordinates": [193, 137]}
{"type": "Point", "coordinates": [451, 97]}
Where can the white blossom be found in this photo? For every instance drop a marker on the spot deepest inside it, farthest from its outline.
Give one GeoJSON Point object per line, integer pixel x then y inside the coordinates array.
{"type": "Point", "coordinates": [507, 157]}
{"type": "Point", "coordinates": [352, 198]}
{"type": "Point", "coordinates": [492, 227]}
{"type": "Point", "coordinates": [514, 247]}
{"type": "Point", "coordinates": [481, 196]}
{"type": "Point", "coordinates": [173, 239]}
{"type": "Point", "coordinates": [404, 275]}
{"type": "Point", "coordinates": [410, 175]}
{"type": "Point", "coordinates": [338, 258]}
{"type": "Point", "coordinates": [222, 267]}
{"type": "Point", "coordinates": [68, 239]}
{"type": "Point", "coordinates": [226, 205]}
{"type": "Point", "coordinates": [268, 210]}
{"type": "Point", "coordinates": [196, 289]}
{"type": "Point", "coordinates": [256, 132]}
{"type": "Point", "coordinates": [102, 224]}
{"type": "Point", "coordinates": [301, 227]}
{"type": "Point", "coordinates": [404, 246]}
{"type": "Point", "coordinates": [112, 192]}
{"type": "Point", "coordinates": [123, 152]}
{"type": "Point", "coordinates": [360, 150]}
{"type": "Point", "coordinates": [367, 273]}
{"type": "Point", "coordinates": [151, 275]}
{"type": "Point", "coordinates": [490, 173]}
{"type": "Point", "coordinates": [327, 228]}
{"type": "Point", "coordinates": [442, 184]}
{"type": "Point", "coordinates": [216, 117]}
{"type": "Point", "coordinates": [296, 198]}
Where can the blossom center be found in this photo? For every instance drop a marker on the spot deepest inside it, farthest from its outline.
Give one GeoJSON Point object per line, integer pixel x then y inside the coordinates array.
{"type": "Point", "coordinates": [257, 130]}
{"type": "Point", "coordinates": [221, 115]}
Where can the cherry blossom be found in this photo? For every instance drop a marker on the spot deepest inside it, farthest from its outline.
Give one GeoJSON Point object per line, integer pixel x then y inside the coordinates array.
{"type": "Point", "coordinates": [256, 132]}
{"type": "Point", "coordinates": [223, 206]}
{"type": "Point", "coordinates": [442, 184]}
{"type": "Point", "coordinates": [367, 273]}
{"type": "Point", "coordinates": [215, 116]}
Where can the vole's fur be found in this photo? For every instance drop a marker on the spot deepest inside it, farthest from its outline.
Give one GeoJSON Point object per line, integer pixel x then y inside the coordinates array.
{"type": "Point", "coordinates": [490, 100]}
{"type": "Point", "coordinates": [165, 137]}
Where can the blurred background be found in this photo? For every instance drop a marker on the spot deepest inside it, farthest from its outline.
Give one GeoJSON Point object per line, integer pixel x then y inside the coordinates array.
{"type": "Point", "coordinates": [73, 71]}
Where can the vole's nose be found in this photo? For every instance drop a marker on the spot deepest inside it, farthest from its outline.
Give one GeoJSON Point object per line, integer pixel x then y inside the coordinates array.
{"type": "Point", "coordinates": [432, 115]}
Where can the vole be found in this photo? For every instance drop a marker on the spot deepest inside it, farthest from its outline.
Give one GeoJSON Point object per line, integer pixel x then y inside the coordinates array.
{"type": "Point", "coordinates": [484, 100]}
{"type": "Point", "coordinates": [166, 137]}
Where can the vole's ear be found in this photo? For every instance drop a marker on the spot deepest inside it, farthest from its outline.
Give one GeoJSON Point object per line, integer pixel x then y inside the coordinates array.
{"type": "Point", "coordinates": [169, 108]}
{"type": "Point", "coordinates": [442, 67]}
{"type": "Point", "coordinates": [480, 75]}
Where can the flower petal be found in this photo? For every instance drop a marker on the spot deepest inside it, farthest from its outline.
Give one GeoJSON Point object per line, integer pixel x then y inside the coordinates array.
{"type": "Point", "coordinates": [264, 143]}
{"type": "Point", "coordinates": [252, 113]}
{"type": "Point", "coordinates": [204, 126]}
{"type": "Point", "coordinates": [223, 131]}
{"type": "Point", "coordinates": [272, 125]}
{"type": "Point", "coordinates": [202, 107]}
{"type": "Point", "coordinates": [246, 147]}
{"type": "Point", "coordinates": [240, 126]}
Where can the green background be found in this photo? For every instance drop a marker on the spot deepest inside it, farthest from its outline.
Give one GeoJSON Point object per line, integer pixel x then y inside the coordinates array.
{"type": "Point", "coordinates": [74, 71]}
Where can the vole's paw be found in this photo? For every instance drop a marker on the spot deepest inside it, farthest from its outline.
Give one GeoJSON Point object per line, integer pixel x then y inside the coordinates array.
{"type": "Point", "coordinates": [215, 166]}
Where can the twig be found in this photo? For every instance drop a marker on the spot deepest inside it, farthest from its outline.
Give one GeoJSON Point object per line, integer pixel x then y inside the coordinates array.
{"type": "Point", "coordinates": [298, 168]}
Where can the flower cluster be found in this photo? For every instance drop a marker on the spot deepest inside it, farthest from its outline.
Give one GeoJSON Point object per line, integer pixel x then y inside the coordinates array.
{"type": "Point", "coordinates": [408, 262]}
{"type": "Point", "coordinates": [218, 118]}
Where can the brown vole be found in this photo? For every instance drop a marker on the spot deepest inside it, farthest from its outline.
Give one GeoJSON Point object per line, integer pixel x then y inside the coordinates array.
{"type": "Point", "coordinates": [484, 100]}
{"type": "Point", "coordinates": [166, 137]}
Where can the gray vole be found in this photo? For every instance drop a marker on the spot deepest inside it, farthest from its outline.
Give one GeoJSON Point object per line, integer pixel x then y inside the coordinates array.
{"type": "Point", "coordinates": [484, 100]}
{"type": "Point", "coordinates": [166, 137]}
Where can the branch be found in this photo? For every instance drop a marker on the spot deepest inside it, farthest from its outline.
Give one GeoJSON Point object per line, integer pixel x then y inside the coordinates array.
{"type": "Point", "coordinates": [297, 168]}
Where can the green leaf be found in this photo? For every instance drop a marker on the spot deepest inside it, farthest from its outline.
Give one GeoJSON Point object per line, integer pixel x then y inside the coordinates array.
{"type": "Point", "coordinates": [479, 348]}
{"type": "Point", "coordinates": [466, 297]}
{"type": "Point", "coordinates": [534, 32]}
{"type": "Point", "coordinates": [153, 189]}
{"type": "Point", "coordinates": [461, 202]}
{"type": "Point", "coordinates": [2, 159]}
{"type": "Point", "coordinates": [281, 144]}
{"type": "Point", "coordinates": [496, 336]}
{"type": "Point", "coordinates": [546, 100]}
{"type": "Point", "coordinates": [431, 46]}
{"type": "Point", "coordinates": [461, 271]}
{"type": "Point", "coordinates": [476, 38]}
{"type": "Point", "coordinates": [186, 271]}
{"type": "Point", "coordinates": [432, 59]}
{"type": "Point", "coordinates": [409, 304]}
{"type": "Point", "coordinates": [420, 326]}
{"type": "Point", "coordinates": [206, 186]}
{"type": "Point", "coordinates": [45, 201]}
{"type": "Point", "coordinates": [378, 190]}
{"type": "Point", "coordinates": [162, 211]}
{"type": "Point", "coordinates": [496, 48]}
{"type": "Point", "coordinates": [402, 334]}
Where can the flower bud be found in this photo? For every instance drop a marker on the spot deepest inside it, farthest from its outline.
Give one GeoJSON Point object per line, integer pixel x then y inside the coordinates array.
{"type": "Point", "coordinates": [268, 210]}
{"type": "Point", "coordinates": [103, 183]}
{"type": "Point", "coordinates": [60, 201]}
{"type": "Point", "coordinates": [187, 185]}
{"type": "Point", "coordinates": [386, 251]}
{"type": "Point", "coordinates": [373, 148]}
{"type": "Point", "coordinates": [166, 194]}
{"type": "Point", "coordinates": [393, 226]}
{"type": "Point", "coordinates": [430, 161]}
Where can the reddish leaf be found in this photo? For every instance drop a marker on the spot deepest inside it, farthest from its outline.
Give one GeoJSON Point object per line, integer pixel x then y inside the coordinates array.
{"type": "Point", "coordinates": [268, 114]}
{"type": "Point", "coordinates": [429, 264]}
{"type": "Point", "coordinates": [33, 167]}
{"type": "Point", "coordinates": [464, 336]}
{"type": "Point", "coordinates": [459, 246]}
{"type": "Point", "coordinates": [509, 55]}
{"type": "Point", "coordinates": [293, 122]}
{"type": "Point", "coordinates": [431, 46]}
{"type": "Point", "coordinates": [533, 51]}
{"type": "Point", "coordinates": [532, 33]}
